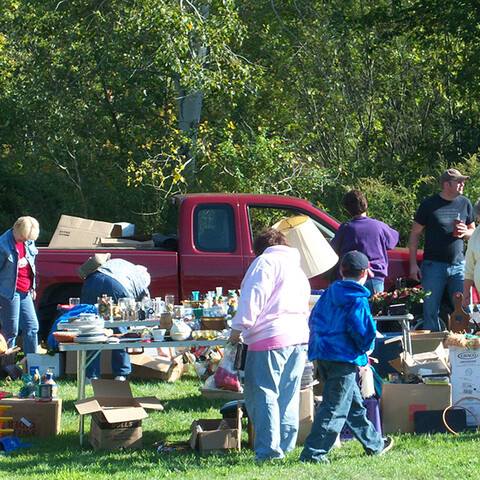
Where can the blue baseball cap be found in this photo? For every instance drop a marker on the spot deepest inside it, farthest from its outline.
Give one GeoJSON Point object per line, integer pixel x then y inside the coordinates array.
{"type": "Point", "coordinates": [355, 260]}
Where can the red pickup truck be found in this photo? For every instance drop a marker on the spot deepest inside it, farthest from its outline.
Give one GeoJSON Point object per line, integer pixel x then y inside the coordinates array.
{"type": "Point", "coordinates": [210, 240]}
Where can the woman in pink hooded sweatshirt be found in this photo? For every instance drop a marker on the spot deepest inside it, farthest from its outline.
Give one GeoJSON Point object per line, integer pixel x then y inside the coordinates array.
{"type": "Point", "coordinates": [272, 318]}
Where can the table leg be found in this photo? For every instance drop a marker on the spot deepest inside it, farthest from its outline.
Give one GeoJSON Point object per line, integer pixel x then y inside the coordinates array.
{"type": "Point", "coordinates": [407, 339]}
{"type": "Point", "coordinates": [81, 359]}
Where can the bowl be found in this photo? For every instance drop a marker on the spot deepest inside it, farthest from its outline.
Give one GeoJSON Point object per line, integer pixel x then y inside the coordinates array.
{"type": "Point", "coordinates": [159, 334]}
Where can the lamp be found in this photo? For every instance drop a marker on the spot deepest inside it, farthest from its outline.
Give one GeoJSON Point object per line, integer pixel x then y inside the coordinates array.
{"type": "Point", "coordinates": [317, 256]}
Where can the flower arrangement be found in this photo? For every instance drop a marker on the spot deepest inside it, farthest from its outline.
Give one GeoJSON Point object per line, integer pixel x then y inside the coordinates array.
{"type": "Point", "coordinates": [380, 302]}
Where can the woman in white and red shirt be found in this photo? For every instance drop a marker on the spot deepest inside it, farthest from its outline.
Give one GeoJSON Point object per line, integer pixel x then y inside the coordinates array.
{"type": "Point", "coordinates": [272, 318]}
{"type": "Point", "coordinates": [17, 283]}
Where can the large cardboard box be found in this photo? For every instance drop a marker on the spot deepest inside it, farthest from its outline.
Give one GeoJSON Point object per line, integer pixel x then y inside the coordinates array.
{"type": "Point", "coordinates": [44, 362]}
{"type": "Point", "coordinates": [32, 418]}
{"type": "Point", "coordinates": [465, 379]}
{"type": "Point", "coordinates": [111, 436]}
{"type": "Point", "coordinates": [207, 434]}
{"type": "Point", "coordinates": [81, 232]}
{"type": "Point", "coordinates": [105, 363]}
{"type": "Point", "coordinates": [400, 401]}
{"type": "Point", "coordinates": [426, 341]}
{"type": "Point", "coordinates": [306, 414]}
{"type": "Point", "coordinates": [113, 403]}
{"type": "Point", "coordinates": [423, 365]}
{"type": "Point", "coordinates": [421, 341]}
{"type": "Point", "coordinates": [145, 366]}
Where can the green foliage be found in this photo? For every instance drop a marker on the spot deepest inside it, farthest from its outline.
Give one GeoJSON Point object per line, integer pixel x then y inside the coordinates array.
{"type": "Point", "coordinates": [90, 99]}
{"type": "Point", "coordinates": [300, 98]}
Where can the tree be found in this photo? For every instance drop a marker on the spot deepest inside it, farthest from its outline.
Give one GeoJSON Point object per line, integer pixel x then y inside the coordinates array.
{"type": "Point", "coordinates": [94, 88]}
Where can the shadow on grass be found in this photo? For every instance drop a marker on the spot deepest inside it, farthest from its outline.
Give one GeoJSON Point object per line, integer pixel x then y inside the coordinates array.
{"type": "Point", "coordinates": [64, 454]}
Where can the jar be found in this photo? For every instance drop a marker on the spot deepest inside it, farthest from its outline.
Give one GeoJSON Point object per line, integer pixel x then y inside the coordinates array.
{"type": "Point", "coordinates": [47, 390]}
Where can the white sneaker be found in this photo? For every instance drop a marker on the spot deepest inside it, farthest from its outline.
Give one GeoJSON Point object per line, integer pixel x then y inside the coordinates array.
{"type": "Point", "coordinates": [120, 378]}
{"type": "Point", "coordinates": [88, 380]}
{"type": "Point", "coordinates": [388, 444]}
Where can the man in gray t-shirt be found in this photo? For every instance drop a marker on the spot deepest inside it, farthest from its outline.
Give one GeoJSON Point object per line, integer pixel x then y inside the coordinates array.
{"type": "Point", "coordinates": [447, 219]}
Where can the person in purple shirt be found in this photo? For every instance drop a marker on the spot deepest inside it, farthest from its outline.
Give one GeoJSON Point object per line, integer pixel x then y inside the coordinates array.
{"type": "Point", "coordinates": [369, 236]}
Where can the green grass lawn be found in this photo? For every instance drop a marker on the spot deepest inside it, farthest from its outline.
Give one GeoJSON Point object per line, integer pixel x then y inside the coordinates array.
{"type": "Point", "coordinates": [61, 457]}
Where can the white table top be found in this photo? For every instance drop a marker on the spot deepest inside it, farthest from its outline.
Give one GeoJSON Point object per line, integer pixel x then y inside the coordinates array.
{"type": "Point", "coordinates": [75, 347]}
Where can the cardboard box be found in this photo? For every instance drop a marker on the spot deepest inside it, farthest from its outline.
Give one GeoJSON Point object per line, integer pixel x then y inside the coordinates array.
{"type": "Point", "coordinates": [32, 418]}
{"type": "Point", "coordinates": [217, 393]}
{"type": "Point", "coordinates": [400, 401]}
{"type": "Point", "coordinates": [44, 362]}
{"type": "Point", "coordinates": [114, 404]}
{"type": "Point", "coordinates": [465, 379]}
{"type": "Point", "coordinates": [145, 366]}
{"type": "Point", "coordinates": [306, 414]}
{"type": "Point", "coordinates": [423, 364]}
{"type": "Point", "coordinates": [105, 363]}
{"type": "Point", "coordinates": [426, 342]}
{"type": "Point", "coordinates": [421, 341]}
{"type": "Point", "coordinates": [111, 436]}
{"type": "Point", "coordinates": [206, 437]}
{"type": "Point", "coordinates": [81, 232]}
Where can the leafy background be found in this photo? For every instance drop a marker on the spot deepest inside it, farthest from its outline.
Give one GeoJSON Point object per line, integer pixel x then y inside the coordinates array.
{"type": "Point", "coordinates": [107, 108]}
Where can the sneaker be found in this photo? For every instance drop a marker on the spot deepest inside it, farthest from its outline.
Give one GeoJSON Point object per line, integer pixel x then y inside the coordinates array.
{"type": "Point", "coordinates": [120, 378]}
{"type": "Point", "coordinates": [388, 444]}
{"type": "Point", "coordinates": [323, 460]}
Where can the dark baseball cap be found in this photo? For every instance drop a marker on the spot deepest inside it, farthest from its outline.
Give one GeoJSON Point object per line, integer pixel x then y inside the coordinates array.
{"type": "Point", "coordinates": [355, 260]}
{"type": "Point", "coordinates": [453, 174]}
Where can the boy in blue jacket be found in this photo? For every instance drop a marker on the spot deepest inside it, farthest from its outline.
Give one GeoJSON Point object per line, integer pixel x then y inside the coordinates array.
{"type": "Point", "coordinates": [342, 330]}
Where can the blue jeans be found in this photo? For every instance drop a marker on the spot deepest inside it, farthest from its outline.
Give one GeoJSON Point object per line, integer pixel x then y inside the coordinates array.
{"type": "Point", "coordinates": [375, 285]}
{"type": "Point", "coordinates": [16, 314]}
{"type": "Point", "coordinates": [436, 276]}
{"type": "Point", "coordinates": [95, 286]}
{"type": "Point", "coordinates": [272, 396]}
{"type": "Point", "coordinates": [342, 404]}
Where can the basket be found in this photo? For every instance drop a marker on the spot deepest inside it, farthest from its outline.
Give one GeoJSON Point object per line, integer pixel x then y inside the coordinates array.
{"type": "Point", "coordinates": [212, 323]}
{"type": "Point", "coordinates": [64, 337]}
{"type": "Point", "coordinates": [8, 358]}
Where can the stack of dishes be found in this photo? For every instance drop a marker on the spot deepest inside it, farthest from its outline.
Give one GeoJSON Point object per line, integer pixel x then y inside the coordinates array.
{"type": "Point", "coordinates": [91, 328]}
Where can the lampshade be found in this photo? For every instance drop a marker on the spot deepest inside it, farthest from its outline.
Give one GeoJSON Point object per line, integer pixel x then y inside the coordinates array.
{"type": "Point", "coordinates": [317, 256]}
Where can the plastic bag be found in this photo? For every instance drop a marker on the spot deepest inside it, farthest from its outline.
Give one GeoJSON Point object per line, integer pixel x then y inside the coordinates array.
{"type": "Point", "coordinates": [226, 376]}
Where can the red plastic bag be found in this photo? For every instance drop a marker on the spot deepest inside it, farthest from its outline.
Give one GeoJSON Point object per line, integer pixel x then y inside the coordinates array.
{"type": "Point", "coordinates": [226, 375]}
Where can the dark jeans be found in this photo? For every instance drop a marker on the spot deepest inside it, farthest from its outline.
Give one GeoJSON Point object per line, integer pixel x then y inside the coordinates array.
{"type": "Point", "coordinates": [342, 404]}
{"type": "Point", "coordinates": [95, 286]}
